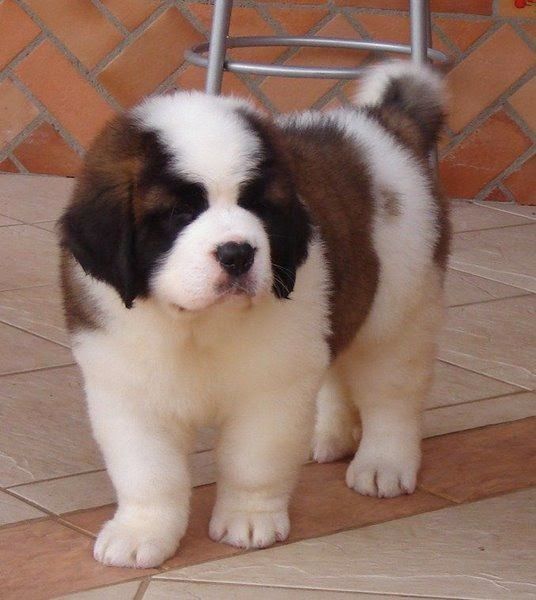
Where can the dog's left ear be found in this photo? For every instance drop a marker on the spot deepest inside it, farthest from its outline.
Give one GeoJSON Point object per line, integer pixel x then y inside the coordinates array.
{"type": "Point", "coordinates": [273, 197]}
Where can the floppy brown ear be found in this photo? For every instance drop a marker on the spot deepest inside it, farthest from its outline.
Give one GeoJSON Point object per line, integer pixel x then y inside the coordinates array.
{"type": "Point", "coordinates": [98, 226]}
{"type": "Point", "coordinates": [272, 196]}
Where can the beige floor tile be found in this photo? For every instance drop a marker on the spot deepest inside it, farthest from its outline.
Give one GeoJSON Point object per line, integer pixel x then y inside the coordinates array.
{"type": "Point", "coordinates": [28, 257]}
{"type": "Point", "coordinates": [464, 288]}
{"type": "Point", "coordinates": [494, 338]}
{"type": "Point", "coordinates": [91, 490]}
{"type": "Point", "coordinates": [13, 510]}
{"type": "Point", "coordinates": [479, 413]}
{"type": "Point", "coordinates": [23, 351]}
{"type": "Point", "coordinates": [529, 212]}
{"type": "Point", "coordinates": [38, 310]}
{"type": "Point", "coordinates": [168, 590]}
{"type": "Point", "coordinates": [67, 494]}
{"type": "Point", "coordinates": [466, 216]}
{"type": "Point", "coordinates": [474, 464]}
{"type": "Point", "coordinates": [44, 427]}
{"type": "Point", "coordinates": [44, 559]}
{"type": "Point", "coordinates": [505, 255]}
{"type": "Point", "coordinates": [4, 221]}
{"type": "Point", "coordinates": [453, 385]}
{"type": "Point", "coordinates": [121, 591]}
{"type": "Point", "coordinates": [483, 550]}
{"type": "Point", "coordinates": [33, 198]}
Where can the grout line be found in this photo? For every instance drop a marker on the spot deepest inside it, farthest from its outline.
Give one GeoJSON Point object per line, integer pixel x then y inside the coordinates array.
{"type": "Point", "coordinates": [142, 589]}
{"type": "Point", "coordinates": [522, 295]}
{"type": "Point", "coordinates": [530, 222]}
{"type": "Point", "coordinates": [18, 485]}
{"type": "Point", "coordinates": [504, 209]}
{"type": "Point", "coordinates": [476, 400]}
{"type": "Point", "coordinates": [40, 336]}
{"type": "Point", "coordinates": [38, 370]}
{"type": "Point", "coordinates": [109, 15]}
{"type": "Point", "coordinates": [484, 374]}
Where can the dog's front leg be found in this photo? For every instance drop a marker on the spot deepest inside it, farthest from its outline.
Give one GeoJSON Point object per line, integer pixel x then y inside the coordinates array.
{"type": "Point", "coordinates": [147, 461]}
{"type": "Point", "coordinates": [261, 448]}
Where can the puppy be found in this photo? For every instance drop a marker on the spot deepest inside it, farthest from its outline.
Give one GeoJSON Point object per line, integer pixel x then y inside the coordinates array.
{"type": "Point", "coordinates": [222, 268]}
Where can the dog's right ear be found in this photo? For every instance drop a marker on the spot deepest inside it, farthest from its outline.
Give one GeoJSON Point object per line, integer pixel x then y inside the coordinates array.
{"type": "Point", "coordinates": [98, 226]}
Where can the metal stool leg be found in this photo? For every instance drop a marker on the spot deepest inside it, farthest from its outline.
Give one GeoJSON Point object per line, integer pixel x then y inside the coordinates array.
{"type": "Point", "coordinates": [419, 36]}
{"type": "Point", "coordinates": [218, 36]}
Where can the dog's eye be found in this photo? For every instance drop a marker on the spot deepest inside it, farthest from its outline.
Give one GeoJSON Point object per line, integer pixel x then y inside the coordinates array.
{"type": "Point", "coordinates": [172, 217]}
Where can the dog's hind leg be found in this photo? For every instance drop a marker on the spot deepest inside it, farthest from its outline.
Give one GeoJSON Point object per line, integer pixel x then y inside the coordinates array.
{"type": "Point", "coordinates": [336, 420]}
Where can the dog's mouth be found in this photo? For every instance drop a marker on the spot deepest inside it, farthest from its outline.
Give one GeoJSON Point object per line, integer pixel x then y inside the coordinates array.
{"type": "Point", "coordinates": [232, 289]}
{"type": "Point", "coordinates": [236, 286]}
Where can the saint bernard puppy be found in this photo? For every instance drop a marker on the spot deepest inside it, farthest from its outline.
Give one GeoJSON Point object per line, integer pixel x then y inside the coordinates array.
{"type": "Point", "coordinates": [223, 268]}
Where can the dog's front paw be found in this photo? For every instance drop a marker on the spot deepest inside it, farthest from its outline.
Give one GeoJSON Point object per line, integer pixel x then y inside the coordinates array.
{"type": "Point", "coordinates": [384, 476]}
{"type": "Point", "coordinates": [248, 529]}
{"type": "Point", "coordinates": [134, 543]}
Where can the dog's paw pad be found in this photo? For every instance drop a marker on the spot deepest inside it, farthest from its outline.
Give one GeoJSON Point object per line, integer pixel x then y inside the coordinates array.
{"type": "Point", "coordinates": [126, 545]}
{"type": "Point", "coordinates": [250, 529]}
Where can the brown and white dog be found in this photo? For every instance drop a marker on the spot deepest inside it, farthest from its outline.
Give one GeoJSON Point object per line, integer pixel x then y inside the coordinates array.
{"type": "Point", "coordinates": [222, 268]}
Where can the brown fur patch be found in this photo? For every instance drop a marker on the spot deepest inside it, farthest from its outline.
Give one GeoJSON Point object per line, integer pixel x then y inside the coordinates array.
{"type": "Point", "coordinates": [80, 313]}
{"type": "Point", "coordinates": [390, 202]}
{"type": "Point", "coordinates": [334, 184]}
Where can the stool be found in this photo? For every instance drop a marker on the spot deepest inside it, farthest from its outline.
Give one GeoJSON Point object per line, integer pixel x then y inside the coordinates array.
{"type": "Point", "coordinates": [216, 62]}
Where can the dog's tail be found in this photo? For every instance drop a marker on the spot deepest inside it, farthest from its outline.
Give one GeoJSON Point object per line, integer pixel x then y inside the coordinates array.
{"type": "Point", "coordinates": [409, 98]}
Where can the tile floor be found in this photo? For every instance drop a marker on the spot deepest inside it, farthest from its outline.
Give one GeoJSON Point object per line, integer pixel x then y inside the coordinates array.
{"type": "Point", "coordinates": [465, 533]}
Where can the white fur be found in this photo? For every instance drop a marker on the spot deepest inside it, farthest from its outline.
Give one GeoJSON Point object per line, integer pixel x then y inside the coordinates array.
{"type": "Point", "coordinates": [153, 378]}
{"type": "Point", "coordinates": [154, 374]}
{"type": "Point", "coordinates": [375, 80]}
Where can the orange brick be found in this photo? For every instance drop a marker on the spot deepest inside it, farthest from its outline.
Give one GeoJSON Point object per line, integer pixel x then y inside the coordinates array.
{"type": "Point", "coordinates": [193, 78]}
{"type": "Point", "coordinates": [80, 26]}
{"type": "Point", "coordinates": [298, 21]}
{"type": "Point", "coordinates": [66, 94]}
{"type": "Point", "coordinates": [497, 195]}
{"type": "Point", "coordinates": [17, 30]}
{"type": "Point", "coordinates": [317, 2]}
{"type": "Point", "coordinates": [387, 28]}
{"type": "Point", "coordinates": [509, 8]}
{"type": "Point", "coordinates": [485, 74]}
{"type": "Point", "coordinates": [45, 151]}
{"type": "Point", "coordinates": [337, 27]}
{"type": "Point", "coordinates": [143, 65]}
{"type": "Point", "coordinates": [132, 13]}
{"type": "Point", "coordinates": [522, 183]}
{"type": "Point", "coordinates": [8, 166]}
{"type": "Point", "coordinates": [289, 94]}
{"type": "Point", "coordinates": [244, 22]}
{"type": "Point", "coordinates": [480, 7]}
{"type": "Point", "coordinates": [463, 33]}
{"type": "Point", "coordinates": [524, 102]}
{"type": "Point", "coordinates": [483, 155]}
{"type": "Point", "coordinates": [16, 111]}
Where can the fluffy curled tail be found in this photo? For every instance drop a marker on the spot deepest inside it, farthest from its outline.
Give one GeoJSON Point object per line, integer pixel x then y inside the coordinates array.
{"type": "Point", "coordinates": [404, 94]}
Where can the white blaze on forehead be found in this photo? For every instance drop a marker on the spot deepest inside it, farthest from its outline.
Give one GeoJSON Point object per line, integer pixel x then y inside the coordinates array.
{"type": "Point", "coordinates": [207, 137]}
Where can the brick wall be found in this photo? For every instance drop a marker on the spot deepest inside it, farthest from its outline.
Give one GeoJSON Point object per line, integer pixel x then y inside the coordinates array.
{"type": "Point", "coordinates": [68, 65]}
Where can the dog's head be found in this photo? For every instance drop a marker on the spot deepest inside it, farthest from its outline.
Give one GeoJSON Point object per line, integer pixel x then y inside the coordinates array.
{"type": "Point", "coordinates": [188, 199]}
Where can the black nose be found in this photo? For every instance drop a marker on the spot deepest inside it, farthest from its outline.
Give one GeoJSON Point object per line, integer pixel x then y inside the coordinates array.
{"type": "Point", "coordinates": [235, 258]}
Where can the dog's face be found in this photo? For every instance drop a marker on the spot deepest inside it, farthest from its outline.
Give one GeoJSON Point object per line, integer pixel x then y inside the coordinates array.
{"type": "Point", "coordinates": [189, 200]}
